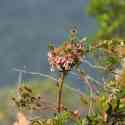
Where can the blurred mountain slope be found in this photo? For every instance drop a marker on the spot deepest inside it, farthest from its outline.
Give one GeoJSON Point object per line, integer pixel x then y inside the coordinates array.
{"type": "Point", "coordinates": [26, 26]}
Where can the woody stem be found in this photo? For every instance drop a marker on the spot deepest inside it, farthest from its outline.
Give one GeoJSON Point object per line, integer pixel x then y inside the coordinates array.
{"type": "Point", "coordinates": [60, 91]}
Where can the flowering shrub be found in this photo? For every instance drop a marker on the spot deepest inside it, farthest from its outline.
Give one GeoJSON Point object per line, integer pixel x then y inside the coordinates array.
{"type": "Point", "coordinates": [106, 108]}
{"type": "Point", "coordinates": [64, 58]}
{"type": "Point", "coordinates": [110, 104]}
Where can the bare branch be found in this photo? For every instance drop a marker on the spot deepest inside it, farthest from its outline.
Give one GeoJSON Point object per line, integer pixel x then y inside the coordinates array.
{"type": "Point", "coordinates": [89, 77]}
{"type": "Point", "coordinates": [94, 66]}
{"type": "Point", "coordinates": [78, 91]}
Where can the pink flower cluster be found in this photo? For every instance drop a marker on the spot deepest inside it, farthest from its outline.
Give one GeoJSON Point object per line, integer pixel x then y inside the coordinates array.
{"type": "Point", "coordinates": [65, 57]}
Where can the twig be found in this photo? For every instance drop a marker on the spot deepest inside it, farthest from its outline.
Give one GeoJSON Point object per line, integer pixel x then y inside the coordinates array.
{"type": "Point", "coordinates": [94, 66]}
{"type": "Point", "coordinates": [89, 77]}
{"type": "Point", "coordinates": [52, 78]}
{"type": "Point", "coordinates": [91, 93]}
{"type": "Point", "coordinates": [98, 67]}
{"type": "Point", "coordinates": [35, 73]}
{"type": "Point", "coordinates": [86, 79]}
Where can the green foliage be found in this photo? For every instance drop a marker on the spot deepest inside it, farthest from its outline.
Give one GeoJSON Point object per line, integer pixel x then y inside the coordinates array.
{"type": "Point", "coordinates": [110, 17]}
{"type": "Point", "coordinates": [108, 53]}
{"type": "Point", "coordinates": [59, 119]}
{"type": "Point", "coordinates": [62, 118]}
{"type": "Point", "coordinates": [50, 46]}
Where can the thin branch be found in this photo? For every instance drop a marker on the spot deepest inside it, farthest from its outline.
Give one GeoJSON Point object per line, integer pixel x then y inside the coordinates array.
{"type": "Point", "coordinates": [96, 81]}
{"type": "Point", "coordinates": [35, 73]}
{"type": "Point", "coordinates": [52, 78]}
{"type": "Point", "coordinates": [98, 67]}
{"type": "Point", "coordinates": [86, 79]}
{"type": "Point", "coordinates": [89, 77]}
{"type": "Point", "coordinates": [94, 66]}
{"type": "Point", "coordinates": [60, 91]}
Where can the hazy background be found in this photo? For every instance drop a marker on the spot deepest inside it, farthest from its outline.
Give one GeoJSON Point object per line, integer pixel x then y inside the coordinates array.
{"type": "Point", "coordinates": [26, 26]}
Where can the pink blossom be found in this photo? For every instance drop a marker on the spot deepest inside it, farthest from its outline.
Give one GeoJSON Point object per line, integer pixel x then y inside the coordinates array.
{"type": "Point", "coordinates": [65, 60]}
